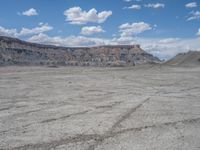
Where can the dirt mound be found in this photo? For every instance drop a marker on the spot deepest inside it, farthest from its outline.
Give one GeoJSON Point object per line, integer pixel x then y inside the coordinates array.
{"type": "Point", "coordinates": [192, 58]}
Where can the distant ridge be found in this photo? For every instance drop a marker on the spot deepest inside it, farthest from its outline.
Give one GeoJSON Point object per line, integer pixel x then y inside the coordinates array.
{"type": "Point", "coordinates": [191, 58]}
{"type": "Point", "coordinates": [17, 52]}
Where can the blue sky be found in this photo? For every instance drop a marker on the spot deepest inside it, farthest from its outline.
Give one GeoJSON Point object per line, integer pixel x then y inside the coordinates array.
{"type": "Point", "coordinates": [162, 27]}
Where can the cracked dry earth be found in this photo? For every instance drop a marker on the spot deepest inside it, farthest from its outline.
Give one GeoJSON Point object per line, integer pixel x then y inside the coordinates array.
{"type": "Point", "coordinates": [139, 108]}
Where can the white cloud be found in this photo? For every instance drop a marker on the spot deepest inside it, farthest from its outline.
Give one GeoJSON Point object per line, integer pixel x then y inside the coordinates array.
{"type": "Point", "coordinates": [156, 5]}
{"type": "Point", "coordinates": [76, 41]}
{"type": "Point", "coordinates": [67, 41]}
{"type": "Point", "coordinates": [169, 50]}
{"type": "Point", "coordinates": [123, 40]}
{"type": "Point", "coordinates": [133, 29]}
{"type": "Point", "coordinates": [168, 40]}
{"type": "Point", "coordinates": [198, 33]}
{"type": "Point", "coordinates": [135, 7]}
{"type": "Point", "coordinates": [91, 30]}
{"type": "Point", "coordinates": [191, 5]}
{"type": "Point", "coordinates": [30, 12]}
{"type": "Point", "coordinates": [42, 28]}
{"type": "Point", "coordinates": [76, 15]}
{"type": "Point", "coordinates": [195, 15]}
{"type": "Point", "coordinates": [8, 32]}
{"type": "Point", "coordinates": [25, 31]}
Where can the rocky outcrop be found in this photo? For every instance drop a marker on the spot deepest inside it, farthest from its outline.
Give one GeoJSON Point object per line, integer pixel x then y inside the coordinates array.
{"type": "Point", "coordinates": [16, 52]}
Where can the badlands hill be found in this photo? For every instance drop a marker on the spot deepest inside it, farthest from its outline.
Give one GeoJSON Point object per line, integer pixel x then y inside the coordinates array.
{"type": "Point", "coordinates": [16, 52]}
{"type": "Point", "coordinates": [192, 58]}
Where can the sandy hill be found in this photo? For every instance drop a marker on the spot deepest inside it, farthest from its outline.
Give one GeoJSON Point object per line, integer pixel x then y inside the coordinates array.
{"type": "Point", "coordinates": [16, 52]}
{"type": "Point", "coordinates": [192, 58]}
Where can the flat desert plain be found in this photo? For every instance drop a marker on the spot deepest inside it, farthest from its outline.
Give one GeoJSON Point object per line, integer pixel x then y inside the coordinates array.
{"type": "Point", "coordinates": [86, 108]}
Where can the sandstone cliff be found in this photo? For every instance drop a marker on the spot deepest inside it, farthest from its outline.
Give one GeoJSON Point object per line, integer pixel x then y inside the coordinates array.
{"type": "Point", "coordinates": [16, 52]}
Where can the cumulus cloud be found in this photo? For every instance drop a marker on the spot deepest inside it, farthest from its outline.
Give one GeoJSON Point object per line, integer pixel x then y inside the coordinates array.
{"type": "Point", "coordinates": [169, 50]}
{"type": "Point", "coordinates": [135, 7]}
{"type": "Point", "coordinates": [123, 40]}
{"type": "Point", "coordinates": [30, 12]}
{"type": "Point", "coordinates": [25, 31]}
{"type": "Point", "coordinates": [155, 6]}
{"type": "Point", "coordinates": [127, 29]}
{"type": "Point", "coordinates": [8, 32]}
{"type": "Point", "coordinates": [67, 41]}
{"type": "Point", "coordinates": [76, 15]}
{"type": "Point", "coordinates": [76, 41]}
{"type": "Point", "coordinates": [42, 28]}
{"type": "Point", "coordinates": [91, 30]}
{"type": "Point", "coordinates": [194, 15]}
{"type": "Point", "coordinates": [198, 33]}
{"type": "Point", "coordinates": [191, 5]}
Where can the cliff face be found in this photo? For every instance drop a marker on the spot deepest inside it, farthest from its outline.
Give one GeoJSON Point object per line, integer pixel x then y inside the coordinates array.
{"type": "Point", "coordinates": [16, 52]}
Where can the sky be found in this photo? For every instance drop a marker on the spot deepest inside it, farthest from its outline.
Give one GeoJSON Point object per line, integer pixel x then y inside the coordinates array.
{"type": "Point", "coordinates": [162, 27]}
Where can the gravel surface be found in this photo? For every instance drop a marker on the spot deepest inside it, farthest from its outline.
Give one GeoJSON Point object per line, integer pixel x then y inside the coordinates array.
{"type": "Point", "coordinates": [77, 108]}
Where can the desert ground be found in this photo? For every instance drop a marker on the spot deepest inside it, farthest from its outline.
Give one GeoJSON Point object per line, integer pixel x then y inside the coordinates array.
{"type": "Point", "coordinates": [86, 108]}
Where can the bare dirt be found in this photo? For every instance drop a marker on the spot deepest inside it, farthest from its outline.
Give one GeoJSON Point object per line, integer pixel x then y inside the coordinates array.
{"type": "Point", "coordinates": [85, 108]}
{"type": "Point", "coordinates": [189, 59]}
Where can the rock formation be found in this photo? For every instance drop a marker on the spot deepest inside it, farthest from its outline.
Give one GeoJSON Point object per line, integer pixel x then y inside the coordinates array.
{"type": "Point", "coordinates": [16, 52]}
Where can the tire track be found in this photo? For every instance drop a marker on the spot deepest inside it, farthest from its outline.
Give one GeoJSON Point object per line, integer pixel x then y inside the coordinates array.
{"type": "Point", "coordinates": [64, 117]}
{"type": "Point", "coordinates": [54, 144]}
{"type": "Point", "coordinates": [127, 114]}
{"type": "Point", "coordinates": [82, 138]}
{"type": "Point", "coordinates": [100, 138]}
{"type": "Point", "coordinates": [185, 121]}
{"type": "Point", "coordinates": [110, 132]}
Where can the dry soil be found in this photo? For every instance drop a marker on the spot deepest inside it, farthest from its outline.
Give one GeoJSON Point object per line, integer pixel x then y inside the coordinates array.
{"type": "Point", "coordinates": [77, 108]}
